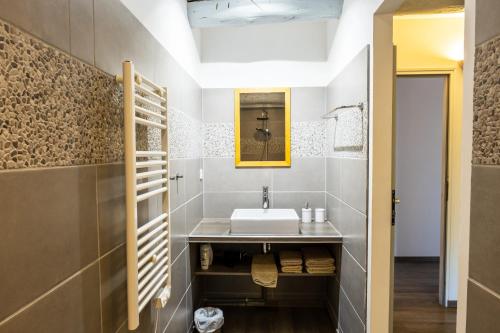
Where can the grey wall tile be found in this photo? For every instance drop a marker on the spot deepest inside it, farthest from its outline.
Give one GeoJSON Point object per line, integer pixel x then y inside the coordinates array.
{"type": "Point", "coordinates": [111, 206]}
{"type": "Point", "coordinates": [485, 226]}
{"type": "Point", "coordinates": [178, 323]}
{"type": "Point", "coordinates": [194, 185]}
{"type": "Point", "coordinates": [194, 213]}
{"type": "Point", "coordinates": [333, 210]}
{"type": "Point", "coordinates": [308, 103]}
{"type": "Point", "coordinates": [333, 295]}
{"type": "Point", "coordinates": [349, 322]}
{"type": "Point", "coordinates": [306, 174]}
{"type": "Point", "coordinates": [191, 98]}
{"type": "Point", "coordinates": [147, 319]}
{"type": "Point", "coordinates": [353, 281]}
{"type": "Point", "coordinates": [47, 20]}
{"type": "Point", "coordinates": [177, 188]}
{"type": "Point", "coordinates": [297, 200]}
{"type": "Point", "coordinates": [218, 105]}
{"type": "Point", "coordinates": [221, 205]}
{"type": "Point", "coordinates": [72, 307]}
{"type": "Point", "coordinates": [189, 308]}
{"type": "Point", "coordinates": [168, 73]}
{"type": "Point", "coordinates": [114, 289]}
{"type": "Point", "coordinates": [82, 29]}
{"type": "Point", "coordinates": [192, 262]}
{"type": "Point", "coordinates": [482, 310]}
{"type": "Point", "coordinates": [54, 212]}
{"type": "Point", "coordinates": [120, 36]}
{"type": "Point", "coordinates": [220, 175]}
{"type": "Point", "coordinates": [178, 290]}
{"type": "Point", "coordinates": [178, 230]}
{"type": "Point", "coordinates": [487, 23]}
{"type": "Point", "coordinates": [350, 86]}
{"type": "Point", "coordinates": [333, 167]}
{"type": "Point", "coordinates": [353, 227]}
{"type": "Point", "coordinates": [353, 184]}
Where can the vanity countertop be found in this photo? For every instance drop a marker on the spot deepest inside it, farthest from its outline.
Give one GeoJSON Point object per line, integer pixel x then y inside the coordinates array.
{"type": "Point", "coordinates": [218, 231]}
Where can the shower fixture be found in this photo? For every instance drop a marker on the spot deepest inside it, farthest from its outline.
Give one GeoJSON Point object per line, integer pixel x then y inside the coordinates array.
{"type": "Point", "coordinates": [265, 135]}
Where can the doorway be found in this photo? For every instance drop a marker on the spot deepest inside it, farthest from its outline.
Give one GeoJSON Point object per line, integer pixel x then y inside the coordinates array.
{"type": "Point", "coordinates": [421, 164]}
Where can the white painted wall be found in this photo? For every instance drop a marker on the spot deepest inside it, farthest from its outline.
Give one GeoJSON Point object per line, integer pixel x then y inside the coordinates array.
{"type": "Point", "coordinates": [264, 74]}
{"type": "Point", "coordinates": [167, 21]}
{"type": "Point", "coordinates": [291, 54]}
{"type": "Point", "coordinates": [420, 112]}
{"type": "Point", "coordinates": [292, 41]}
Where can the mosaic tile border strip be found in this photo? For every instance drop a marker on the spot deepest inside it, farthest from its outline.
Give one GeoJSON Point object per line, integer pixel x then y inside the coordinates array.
{"type": "Point", "coordinates": [184, 135]}
{"type": "Point", "coordinates": [308, 139]}
{"type": "Point", "coordinates": [486, 124]}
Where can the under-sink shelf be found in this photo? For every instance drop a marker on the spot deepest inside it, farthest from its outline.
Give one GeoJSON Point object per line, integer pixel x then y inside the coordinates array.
{"type": "Point", "coordinates": [245, 270]}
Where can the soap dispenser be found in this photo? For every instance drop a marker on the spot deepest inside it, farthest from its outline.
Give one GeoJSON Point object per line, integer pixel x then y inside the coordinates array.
{"type": "Point", "coordinates": [306, 214]}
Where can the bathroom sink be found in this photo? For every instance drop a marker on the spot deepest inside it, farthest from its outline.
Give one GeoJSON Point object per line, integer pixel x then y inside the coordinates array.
{"type": "Point", "coordinates": [265, 222]}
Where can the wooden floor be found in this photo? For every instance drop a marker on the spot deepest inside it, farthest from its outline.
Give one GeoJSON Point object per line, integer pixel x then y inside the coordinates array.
{"type": "Point", "coordinates": [416, 303]}
{"type": "Point", "coordinates": [276, 320]}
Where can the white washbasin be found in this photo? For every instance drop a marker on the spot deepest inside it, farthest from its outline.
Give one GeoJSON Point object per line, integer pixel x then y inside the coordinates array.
{"type": "Point", "coordinates": [265, 222]}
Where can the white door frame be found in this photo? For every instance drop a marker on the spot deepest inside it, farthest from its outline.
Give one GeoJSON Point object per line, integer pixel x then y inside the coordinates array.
{"type": "Point", "coordinates": [445, 224]}
{"type": "Point", "coordinates": [379, 302]}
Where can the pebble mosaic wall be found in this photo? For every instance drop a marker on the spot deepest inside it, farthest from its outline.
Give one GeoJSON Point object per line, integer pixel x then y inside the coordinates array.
{"type": "Point", "coordinates": [54, 109]}
{"type": "Point", "coordinates": [486, 125]}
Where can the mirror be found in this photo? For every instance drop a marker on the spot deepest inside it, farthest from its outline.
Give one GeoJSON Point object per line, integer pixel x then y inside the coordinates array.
{"type": "Point", "coordinates": [262, 127]}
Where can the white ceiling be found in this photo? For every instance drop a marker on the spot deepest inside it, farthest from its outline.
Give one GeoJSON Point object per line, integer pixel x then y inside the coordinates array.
{"type": "Point", "coordinates": [213, 13]}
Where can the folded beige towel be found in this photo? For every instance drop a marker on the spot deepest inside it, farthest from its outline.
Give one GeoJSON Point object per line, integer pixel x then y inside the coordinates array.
{"type": "Point", "coordinates": [317, 256]}
{"type": "Point", "coordinates": [320, 265]}
{"type": "Point", "coordinates": [291, 269]}
{"type": "Point", "coordinates": [320, 270]}
{"type": "Point", "coordinates": [290, 258]}
{"type": "Point", "coordinates": [264, 271]}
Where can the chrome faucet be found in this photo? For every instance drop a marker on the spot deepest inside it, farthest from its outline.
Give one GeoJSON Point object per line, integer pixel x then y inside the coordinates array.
{"type": "Point", "coordinates": [265, 197]}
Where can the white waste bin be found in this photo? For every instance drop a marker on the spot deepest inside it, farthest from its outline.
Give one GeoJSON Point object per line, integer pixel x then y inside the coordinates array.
{"type": "Point", "coordinates": [208, 320]}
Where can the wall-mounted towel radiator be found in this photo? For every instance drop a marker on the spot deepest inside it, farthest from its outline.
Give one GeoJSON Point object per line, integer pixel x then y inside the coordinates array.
{"type": "Point", "coordinates": [148, 242]}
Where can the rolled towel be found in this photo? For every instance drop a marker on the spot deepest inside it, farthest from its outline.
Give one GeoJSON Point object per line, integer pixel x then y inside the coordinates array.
{"type": "Point", "coordinates": [264, 271]}
{"type": "Point", "coordinates": [317, 256]}
{"type": "Point", "coordinates": [290, 258]}
{"type": "Point", "coordinates": [292, 269]}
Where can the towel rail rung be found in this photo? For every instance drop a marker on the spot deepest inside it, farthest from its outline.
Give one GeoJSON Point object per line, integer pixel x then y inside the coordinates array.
{"type": "Point", "coordinates": [150, 83]}
{"type": "Point", "coordinates": [152, 284]}
{"type": "Point", "coordinates": [151, 153]}
{"type": "Point", "coordinates": [145, 101]}
{"type": "Point", "coordinates": [152, 183]}
{"type": "Point", "coordinates": [145, 122]}
{"type": "Point", "coordinates": [147, 164]}
{"type": "Point", "coordinates": [158, 240]}
{"type": "Point", "coordinates": [157, 267]}
{"type": "Point", "coordinates": [151, 223]}
{"type": "Point", "coordinates": [149, 113]}
{"type": "Point", "coordinates": [149, 92]}
{"type": "Point", "coordinates": [149, 265]}
{"type": "Point", "coordinates": [158, 251]}
{"type": "Point", "coordinates": [158, 283]}
{"type": "Point", "coordinates": [147, 174]}
{"type": "Point", "coordinates": [150, 194]}
{"type": "Point", "coordinates": [150, 234]}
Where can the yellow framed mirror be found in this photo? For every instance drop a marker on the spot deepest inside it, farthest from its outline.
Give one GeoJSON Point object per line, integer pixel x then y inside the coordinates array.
{"type": "Point", "coordinates": [262, 127]}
